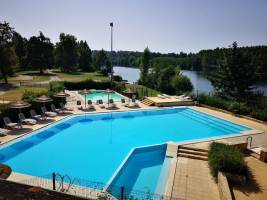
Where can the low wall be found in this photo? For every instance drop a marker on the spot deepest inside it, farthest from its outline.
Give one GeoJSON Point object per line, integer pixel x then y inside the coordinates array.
{"type": "Point", "coordinates": [223, 186]}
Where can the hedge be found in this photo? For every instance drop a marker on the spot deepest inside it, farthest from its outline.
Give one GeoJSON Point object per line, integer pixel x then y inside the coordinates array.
{"type": "Point", "coordinates": [90, 84]}
{"type": "Point", "coordinates": [253, 108]}
{"type": "Point", "coordinates": [225, 158]}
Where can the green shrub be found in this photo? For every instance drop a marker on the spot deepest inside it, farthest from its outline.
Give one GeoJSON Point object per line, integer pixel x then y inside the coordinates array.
{"type": "Point", "coordinates": [117, 78]}
{"type": "Point", "coordinates": [119, 87]}
{"type": "Point", "coordinates": [56, 86]}
{"type": "Point", "coordinates": [182, 84]}
{"type": "Point", "coordinates": [239, 108]}
{"type": "Point", "coordinates": [261, 115]}
{"type": "Point", "coordinates": [214, 101]}
{"type": "Point", "coordinates": [226, 158]}
{"type": "Point", "coordinates": [90, 84]}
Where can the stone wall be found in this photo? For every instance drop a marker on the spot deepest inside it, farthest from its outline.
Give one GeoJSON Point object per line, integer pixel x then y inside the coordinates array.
{"type": "Point", "coordinates": [224, 190]}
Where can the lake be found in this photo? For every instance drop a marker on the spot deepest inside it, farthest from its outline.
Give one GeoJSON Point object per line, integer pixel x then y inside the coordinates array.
{"type": "Point", "coordinates": [200, 82]}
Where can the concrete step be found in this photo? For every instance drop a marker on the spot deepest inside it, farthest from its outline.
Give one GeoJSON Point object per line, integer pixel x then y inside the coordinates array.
{"type": "Point", "coordinates": [197, 157]}
{"type": "Point", "coordinates": [193, 149]}
{"type": "Point", "coordinates": [193, 152]}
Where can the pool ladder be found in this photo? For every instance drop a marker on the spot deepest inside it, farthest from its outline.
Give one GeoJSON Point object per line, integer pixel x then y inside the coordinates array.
{"type": "Point", "coordinates": [249, 140]}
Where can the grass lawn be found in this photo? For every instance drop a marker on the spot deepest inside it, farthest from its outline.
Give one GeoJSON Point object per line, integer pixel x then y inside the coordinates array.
{"type": "Point", "coordinates": [15, 94]}
{"type": "Point", "coordinates": [29, 76]}
{"type": "Point", "coordinates": [79, 76]}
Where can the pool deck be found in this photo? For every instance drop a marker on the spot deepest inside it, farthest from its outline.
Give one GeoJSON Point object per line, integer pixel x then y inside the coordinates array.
{"type": "Point", "coordinates": [188, 177]}
{"type": "Point", "coordinates": [168, 101]}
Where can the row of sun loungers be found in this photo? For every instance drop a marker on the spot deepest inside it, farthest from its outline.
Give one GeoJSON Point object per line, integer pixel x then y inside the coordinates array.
{"type": "Point", "coordinates": [110, 105]}
{"type": "Point", "coordinates": [34, 117]}
{"type": "Point", "coordinates": [181, 97]}
{"type": "Point", "coordinates": [55, 111]}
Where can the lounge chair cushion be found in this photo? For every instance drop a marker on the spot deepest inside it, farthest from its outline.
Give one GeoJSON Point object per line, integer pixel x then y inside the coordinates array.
{"type": "Point", "coordinates": [30, 121]}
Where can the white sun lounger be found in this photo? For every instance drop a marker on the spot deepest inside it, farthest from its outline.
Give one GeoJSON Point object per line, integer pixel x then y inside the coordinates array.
{"type": "Point", "coordinates": [123, 102]}
{"type": "Point", "coordinates": [25, 120]}
{"type": "Point", "coordinates": [101, 104]}
{"type": "Point", "coordinates": [3, 131]}
{"type": "Point", "coordinates": [48, 113]}
{"type": "Point", "coordinates": [34, 115]}
{"type": "Point", "coordinates": [56, 110]}
{"type": "Point", "coordinates": [64, 107]}
{"type": "Point", "coordinates": [10, 124]}
{"type": "Point", "coordinates": [111, 104]}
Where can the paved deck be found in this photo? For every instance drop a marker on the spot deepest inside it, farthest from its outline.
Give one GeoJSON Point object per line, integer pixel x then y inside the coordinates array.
{"type": "Point", "coordinates": [193, 181]}
{"type": "Point", "coordinates": [169, 101]}
{"type": "Point", "coordinates": [256, 187]}
{"type": "Point", "coordinates": [189, 178]}
{"type": "Point", "coordinates": [74, 96]}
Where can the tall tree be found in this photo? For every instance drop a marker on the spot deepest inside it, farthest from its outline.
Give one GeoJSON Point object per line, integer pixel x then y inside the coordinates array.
{"type": "Point", "coordinates": [40, 52]}
{"type": "Point", "coordinates": [8, 56]}
{"type": "Point", "coordinates": [20, 46]}
{"type": "Point", "coordinates": [85, 57]}
{"type": "Point", "coordinates": [144, 67]}
{"type": "Point", "coordinates": [236, 74]}
{"type": "Point", "coordinates": [67, 54]}
{"type": "Point", "coordinates": [100, 60]}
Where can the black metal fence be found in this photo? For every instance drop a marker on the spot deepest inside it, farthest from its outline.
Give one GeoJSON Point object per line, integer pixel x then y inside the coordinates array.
{"type": "Point", "coordinates": [92, 189]}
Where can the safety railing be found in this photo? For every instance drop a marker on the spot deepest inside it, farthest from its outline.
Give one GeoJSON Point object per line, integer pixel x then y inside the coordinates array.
{"type": "Point", "coordinates": [92, 189]}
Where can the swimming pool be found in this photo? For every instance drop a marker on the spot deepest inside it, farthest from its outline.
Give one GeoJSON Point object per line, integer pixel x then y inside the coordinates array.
{"type": "Point", "coordinates": [92, 146]}
{"type": "Point", "coordinates": [99, 94]}
{"type": "Point", "coordinates": [145, 168]}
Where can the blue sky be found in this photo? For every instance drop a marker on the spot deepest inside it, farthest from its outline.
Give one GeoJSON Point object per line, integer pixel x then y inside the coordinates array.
{"type": "Point", "coordinates": [162, 25]}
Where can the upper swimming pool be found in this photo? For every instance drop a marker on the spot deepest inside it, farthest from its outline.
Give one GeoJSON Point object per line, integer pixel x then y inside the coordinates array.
{"type": "Point", "coordinates": [92, 146]}
{"type": "Point", "coordinates": [99, 94]}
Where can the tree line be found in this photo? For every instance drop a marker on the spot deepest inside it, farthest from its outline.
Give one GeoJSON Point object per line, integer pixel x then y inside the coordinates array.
{"type": "Point", "coordinates": [166, 79]}
{"type": "Point", "coordinates": [38, 52]}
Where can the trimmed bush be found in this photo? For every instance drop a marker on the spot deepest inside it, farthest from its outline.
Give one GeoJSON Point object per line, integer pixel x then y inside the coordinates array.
{"type": "Point", "coordinates": [226, 158]}
{"type": "Point", "coordinates": [117, 78]}
{"type": "Point", "coordinates": [56, 86]}
{"type": "Point", "coordinates": [256, 107]}
{"type": "Point", "coordinates": [90, 84]}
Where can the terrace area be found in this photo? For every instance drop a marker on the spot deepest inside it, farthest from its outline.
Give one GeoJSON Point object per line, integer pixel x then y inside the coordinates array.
{"type": "Point", "coordinates": [189, 178]}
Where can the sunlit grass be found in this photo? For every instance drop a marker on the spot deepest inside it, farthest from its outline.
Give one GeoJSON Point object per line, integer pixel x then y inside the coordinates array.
{"type": "Point", "coordinates": [15, 94]}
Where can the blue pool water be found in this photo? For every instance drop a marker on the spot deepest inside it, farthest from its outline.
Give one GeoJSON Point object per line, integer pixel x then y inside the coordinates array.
{"type": "Point", "coordinates": [145, 169]}
{"type": "Point", "coordinates": [93, 146]}
{"type": "Point", "coordinates": [98, 94]}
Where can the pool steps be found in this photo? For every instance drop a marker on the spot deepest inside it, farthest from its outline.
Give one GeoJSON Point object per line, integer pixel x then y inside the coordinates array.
{"type": "Point", "coordinates": [191, 152]}
{"type": "Point", "coordinates": [213, 123]}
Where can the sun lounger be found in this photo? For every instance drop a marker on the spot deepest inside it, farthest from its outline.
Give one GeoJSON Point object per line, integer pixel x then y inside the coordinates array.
{"type": "Point", "coordinates": [111, 104]}
{"type": "Point", "coordinates": [90, 104]}
{"type": "Point", "coordinates": [123, 102]}
{"type": "Point", "coordinates": [161, 96]}
{"type": "Point", "coordinates": [79, 105]}
{"type": "Point", "coordinates": [133, 103]}
{"type": "Point", "coordinates": [166, 96]}
{"type": "Point", "coordinates": [10, 124]}
{"type": "Point", "coordinates": [183, 97]}
{"type": "Point", "coordinates": [48, 113]}
{"type": "Point", "coordinates": [3, 131]}
{"type": "Point", "coordinates": [64, 107]}
{"type": "Point", "coordinates": [35, 116]}
{"type": "Point", "coordinates": [25, 120]}
{"type": "Point", "coordinates": [56, 110]}
{"type": "Point", "coordinates": [101, 104]}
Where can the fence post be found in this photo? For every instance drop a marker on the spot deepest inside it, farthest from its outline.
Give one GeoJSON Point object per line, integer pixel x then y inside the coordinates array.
{"type": "Point", "coordinates": [122, 192]}
{"type": "Point", "coordinates": [54, 180]}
